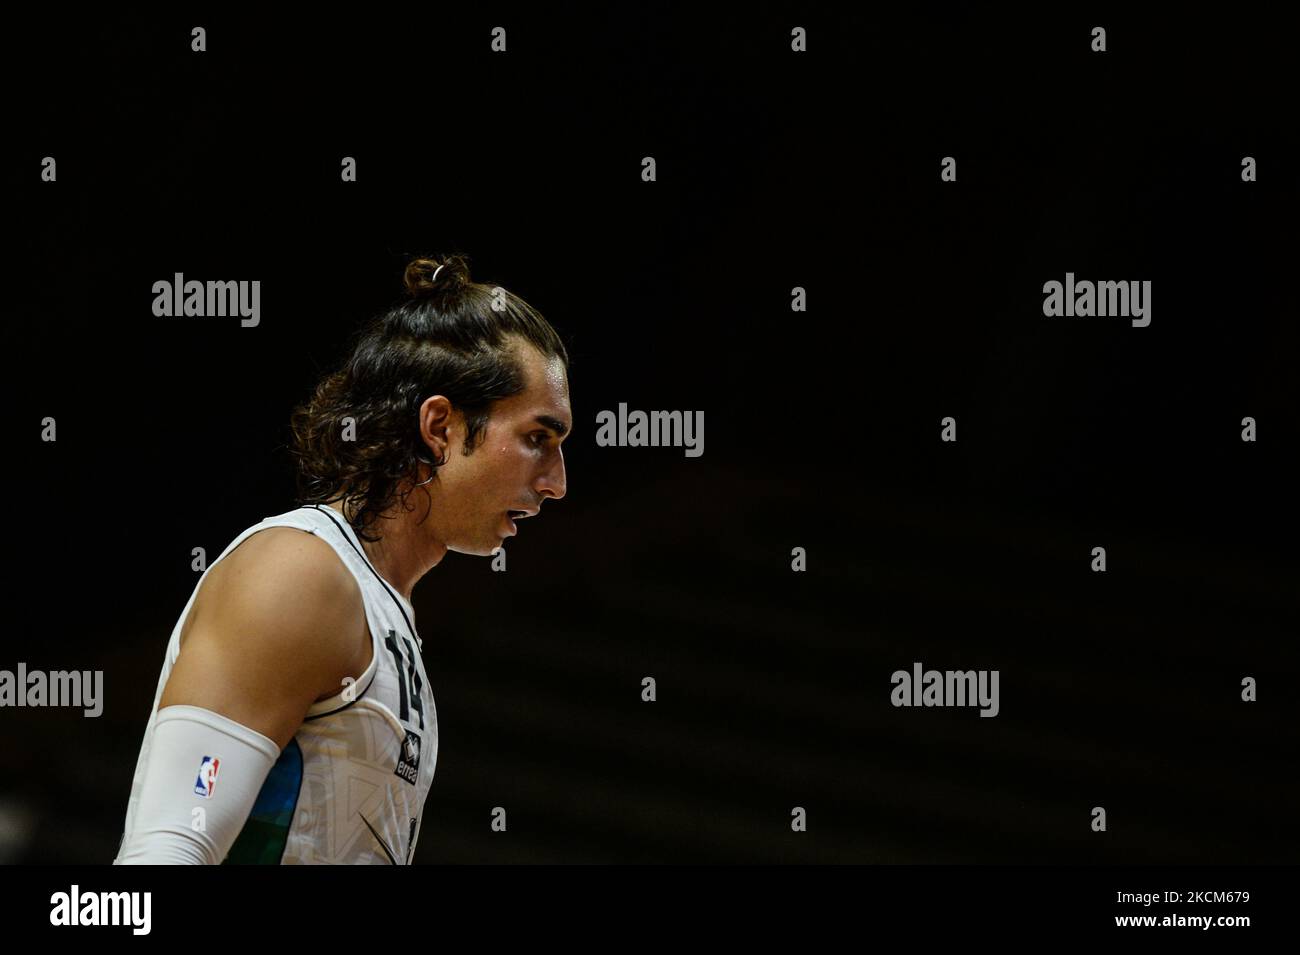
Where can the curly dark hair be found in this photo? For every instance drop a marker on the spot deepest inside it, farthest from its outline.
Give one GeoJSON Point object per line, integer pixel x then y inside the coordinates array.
{"type": "Point", "coordinates": [450, 337]}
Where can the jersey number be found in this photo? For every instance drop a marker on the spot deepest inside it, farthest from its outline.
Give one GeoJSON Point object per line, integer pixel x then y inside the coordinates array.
{"type": "Point", "coordinates": [408, 677]}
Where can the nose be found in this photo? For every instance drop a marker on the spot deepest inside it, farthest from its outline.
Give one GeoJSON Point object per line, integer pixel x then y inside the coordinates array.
{"type": "Point", "coordinates": [552, 482]}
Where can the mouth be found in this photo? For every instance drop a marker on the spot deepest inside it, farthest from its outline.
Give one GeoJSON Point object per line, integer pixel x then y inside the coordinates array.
{"type": "Point", "coordinates": [516, 515]}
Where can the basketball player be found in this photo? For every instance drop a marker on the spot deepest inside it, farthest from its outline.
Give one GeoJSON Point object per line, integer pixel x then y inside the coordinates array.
{"type": "Point", "coordinates": [293, 720]}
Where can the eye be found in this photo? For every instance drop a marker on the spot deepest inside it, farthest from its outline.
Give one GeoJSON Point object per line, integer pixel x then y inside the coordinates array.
{"type": "Point", "coordinates": [538, 438]}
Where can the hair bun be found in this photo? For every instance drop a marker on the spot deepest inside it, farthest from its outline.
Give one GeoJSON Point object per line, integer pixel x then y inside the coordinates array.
{"type": "Point", "coordinates": [430, 275]}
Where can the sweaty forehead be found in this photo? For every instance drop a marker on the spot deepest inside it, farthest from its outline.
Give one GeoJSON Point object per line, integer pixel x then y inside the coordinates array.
{"type": "Point", "coordinates": [545, 373]}
{"type": "Point", "coordinates": [546, 391]}
{"type": "Point", "coordinates": [557, 382]}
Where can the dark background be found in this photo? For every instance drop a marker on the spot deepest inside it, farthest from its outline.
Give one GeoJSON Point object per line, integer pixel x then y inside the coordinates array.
{"type": "Point", "coordinates": [775, 170]}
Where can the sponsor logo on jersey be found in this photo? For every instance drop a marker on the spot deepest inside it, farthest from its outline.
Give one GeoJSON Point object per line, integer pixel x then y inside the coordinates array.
{"type": "Point", "coordinates": [408, 764]}
{"type": "Point", "coordinates": [207, 778]}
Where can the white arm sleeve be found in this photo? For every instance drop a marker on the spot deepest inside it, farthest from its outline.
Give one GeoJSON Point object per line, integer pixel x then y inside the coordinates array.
{"type": "Point", "coordinates": [198, 759]}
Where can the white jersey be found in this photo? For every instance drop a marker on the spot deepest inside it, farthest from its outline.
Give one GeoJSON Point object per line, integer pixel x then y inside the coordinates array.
{"type": "Point", "coordinates": [349, 786]}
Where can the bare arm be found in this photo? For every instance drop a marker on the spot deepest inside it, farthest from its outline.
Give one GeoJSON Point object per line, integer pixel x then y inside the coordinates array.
{"type": "Point", "coordinates": [277, 624]}
{"type": "Point", "coordinates": [282, 626]}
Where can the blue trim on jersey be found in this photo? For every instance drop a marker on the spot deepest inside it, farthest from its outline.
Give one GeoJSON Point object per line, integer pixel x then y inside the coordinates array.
{"type": "Point", "coordinates": [266, 833]}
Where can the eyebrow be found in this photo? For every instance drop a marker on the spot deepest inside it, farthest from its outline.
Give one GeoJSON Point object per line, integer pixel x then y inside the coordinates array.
{"type": "Point", "coordinates": [555, 424]}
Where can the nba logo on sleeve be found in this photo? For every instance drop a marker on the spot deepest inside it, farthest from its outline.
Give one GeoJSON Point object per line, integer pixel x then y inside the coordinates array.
{"type": "Point", "coordinates": [207, 778]}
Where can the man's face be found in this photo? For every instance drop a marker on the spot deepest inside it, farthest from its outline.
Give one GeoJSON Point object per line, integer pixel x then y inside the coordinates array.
{"type": "Point", "coordinates": [516, 465]}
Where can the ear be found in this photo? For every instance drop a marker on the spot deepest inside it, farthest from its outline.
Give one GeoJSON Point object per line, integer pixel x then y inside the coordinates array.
{"type": "Point", "coordinates": [437, 418]}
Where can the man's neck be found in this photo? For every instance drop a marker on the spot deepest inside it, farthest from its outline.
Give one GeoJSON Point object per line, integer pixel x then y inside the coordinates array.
{"type": "Point", "coordinates": [403, 554]}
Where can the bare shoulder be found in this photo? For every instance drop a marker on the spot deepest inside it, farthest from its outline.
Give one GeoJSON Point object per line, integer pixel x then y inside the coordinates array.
{"type": "Point", "coordinates": [283, 562]}
{"type": "Point", "coordinates": [284, 577]}
{"type": "Point", "coordinates": [276, 625]}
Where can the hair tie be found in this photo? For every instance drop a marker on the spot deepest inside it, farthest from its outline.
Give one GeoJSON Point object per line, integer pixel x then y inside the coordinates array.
{"type": "Point", "coordinates": [435, 274]}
